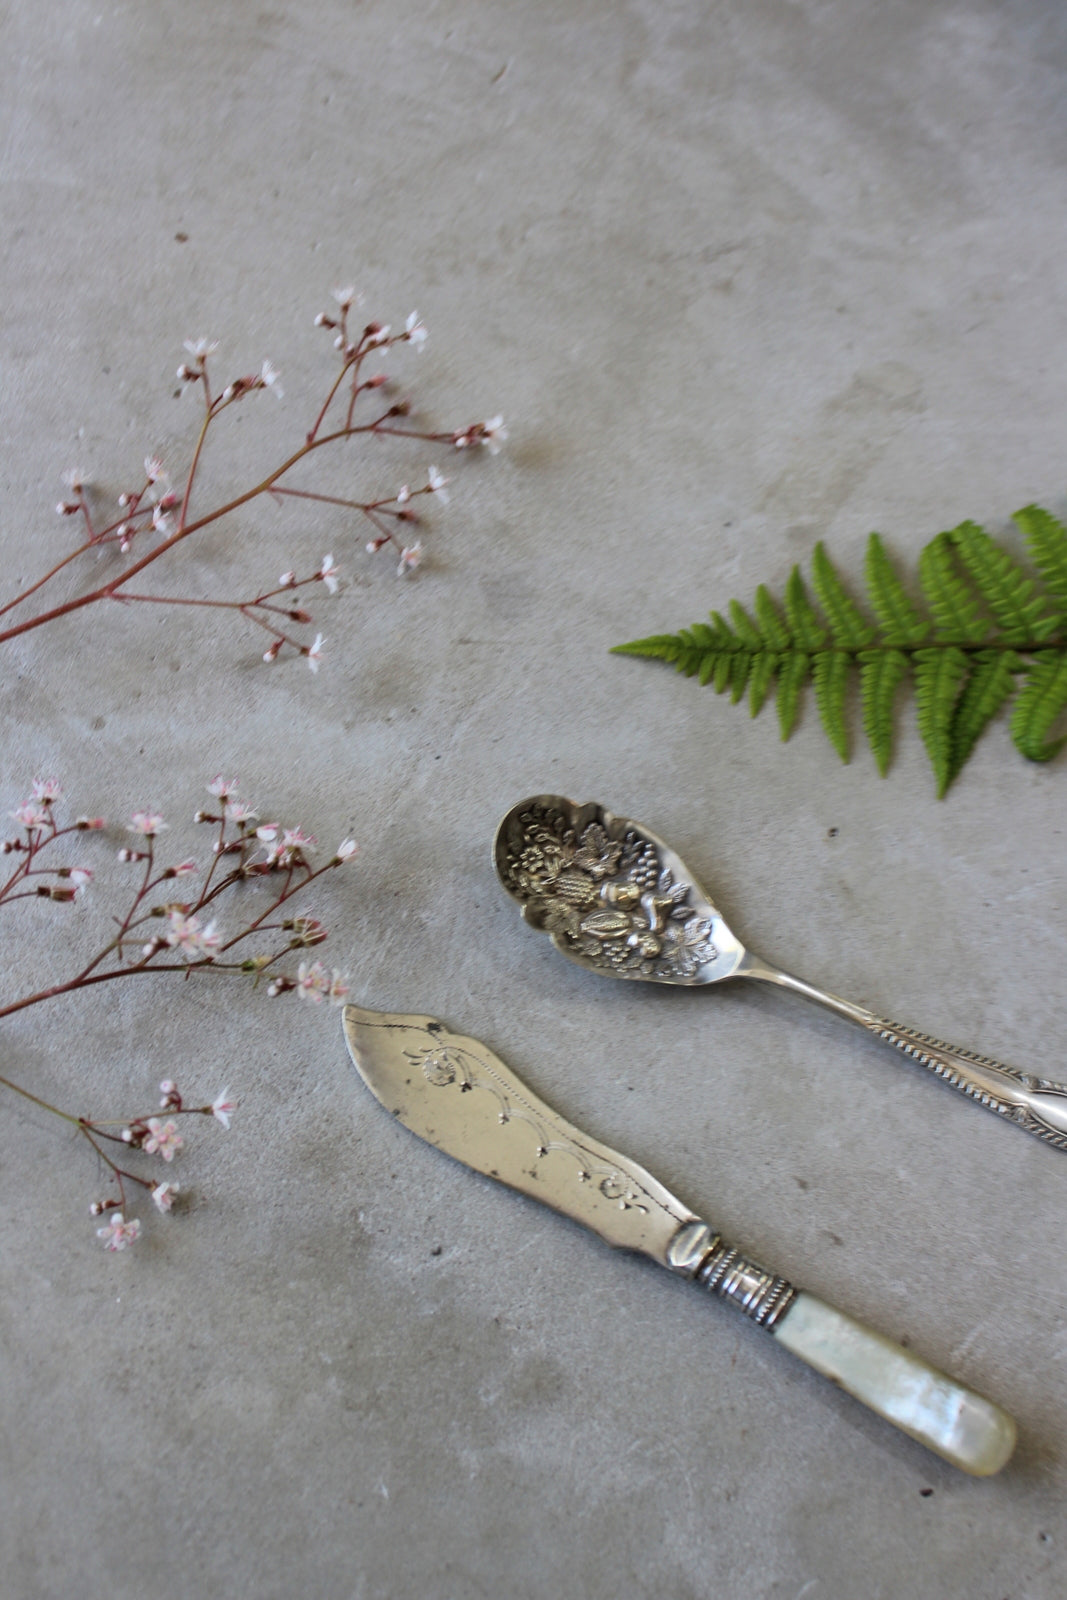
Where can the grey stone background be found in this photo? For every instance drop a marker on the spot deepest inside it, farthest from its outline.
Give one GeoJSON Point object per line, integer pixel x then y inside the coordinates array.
{"type": "Point", "coordinates": [739, 275]}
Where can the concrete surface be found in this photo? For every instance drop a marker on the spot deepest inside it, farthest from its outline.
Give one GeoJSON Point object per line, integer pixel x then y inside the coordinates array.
{"type": "Point", "coordinates": [738, 275]}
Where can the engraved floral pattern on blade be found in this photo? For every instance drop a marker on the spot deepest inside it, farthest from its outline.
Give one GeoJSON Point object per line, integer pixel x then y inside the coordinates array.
{"type": "Point", "coordinates": [611, 902]}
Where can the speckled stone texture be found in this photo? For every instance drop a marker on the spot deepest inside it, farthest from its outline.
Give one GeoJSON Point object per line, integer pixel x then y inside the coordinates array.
{"type": "Point", "coordinates": [738, 275]}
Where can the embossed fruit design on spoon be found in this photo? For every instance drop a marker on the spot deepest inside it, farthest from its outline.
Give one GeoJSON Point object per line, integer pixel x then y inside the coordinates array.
{"type": "Point", "coordinates": [615, 898]}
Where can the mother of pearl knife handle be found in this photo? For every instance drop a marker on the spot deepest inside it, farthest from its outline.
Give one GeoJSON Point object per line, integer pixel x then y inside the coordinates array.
{"type": "Point", "coordinates": [954, 1422]}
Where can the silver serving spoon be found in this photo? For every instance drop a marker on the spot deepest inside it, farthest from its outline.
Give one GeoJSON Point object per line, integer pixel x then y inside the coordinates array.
{"type": "Point", "coordinates": [615, 898]}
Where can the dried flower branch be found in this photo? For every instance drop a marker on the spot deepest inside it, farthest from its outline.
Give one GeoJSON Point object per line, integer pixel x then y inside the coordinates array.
{"type": "Point", "coordinates": [160, 932]}
{"type": "Point", "coordinates": [160, 512]}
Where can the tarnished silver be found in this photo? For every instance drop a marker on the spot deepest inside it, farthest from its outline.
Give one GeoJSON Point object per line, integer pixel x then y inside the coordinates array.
{"type": "Point", "coordinates": [457, 1095]}
{"type": "Point", "coordinates": [696, 1252]}
{"type": "Point", "coordinates": [616, 898]}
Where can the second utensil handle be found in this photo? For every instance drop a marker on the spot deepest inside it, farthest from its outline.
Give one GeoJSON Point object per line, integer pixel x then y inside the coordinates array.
{"type": "Point", "coordinates": [950, 1419]}
{"type": "Point", "coordinates": [1037, 1105]}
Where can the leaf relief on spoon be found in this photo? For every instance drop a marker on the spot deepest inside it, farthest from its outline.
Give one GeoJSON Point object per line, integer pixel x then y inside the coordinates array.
{"type": "Point", "coordinates": [607, 894]}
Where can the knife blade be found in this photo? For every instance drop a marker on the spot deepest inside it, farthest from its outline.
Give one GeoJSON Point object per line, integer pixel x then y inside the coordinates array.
{"type": "Point", "coordinates": [457, 1095]}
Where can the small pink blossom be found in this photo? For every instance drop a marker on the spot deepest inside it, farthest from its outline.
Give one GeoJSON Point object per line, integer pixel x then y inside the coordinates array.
{"type": "Point", "coordinates": [240, 811]}
{"type": "Point", "coordinates": [189, 937]}
{"type": "Point", "coordinates": [314, 652]}
{"type": "Point", "coordinates": [329, 574]}
{"type": "Point", "coordinates": [347, 296]}
{"type": "Point", "coordinates": [200, 349]}
{"type": "Point", "coordinates": [91, 822]}
{"type": "Point", "coordinates": [46, 790]}
{"type": "Point", "coordinates": [378, 335]}
{"type": "Point", "coordinates": [148, 823]}
{"type": "Point", "coordinates": [163, 1138]}
{"type": "Point", "coordinates": [31, 815]}
{"type": "Point", "coordinates": [287, 580]}
{"type": "Point", "coordinates": [153, 469]}
{"type": "Point", "coordinates": [184, 869]}
{"type": "Point", "coordinates": [492, 434]}
{"type": "Point", "coordinates": [313, 981]}
{"type": "Point", "coordinates": [268, 378]}
{"type": "Point", "coordinates": [414, 331]}
{"type": "Point", "coordinates": [222, 788]}
{"type": "Point", "coordinates": [164, 520]}
{"type": "Point", "coordinates": [222, 1107]}
{"type": "Point", "coordinates": [164, 1194]}
{"type": "Point", "coordinates": [410, 558]}
{"type": "Point", "coordinates": [436, 484]}
{"type": "Point", "coordinates": [347, 849]}
{"type": "Point", "coordinates": [119, 1233]}
{"type": "Point", "coordinates": [284, 843]}
{"type": "Point", "coordinates": [80, 876]}
{"type": "Point", "coordinates": [403, 495]}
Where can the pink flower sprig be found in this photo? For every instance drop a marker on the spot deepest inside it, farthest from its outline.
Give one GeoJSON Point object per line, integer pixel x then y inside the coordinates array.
{"type": "Point", "coordinates": [159, 514]}
{"type": "Point", "coordinates": [150, 1136]}
{"type": "Point", "coordinates": [253, 873]}
{"type": "Point", "coordinates": [33, 875]}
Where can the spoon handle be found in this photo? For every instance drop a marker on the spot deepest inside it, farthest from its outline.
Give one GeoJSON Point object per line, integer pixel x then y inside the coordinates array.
{"type": "Point", "coordinates": [1038, 1105]}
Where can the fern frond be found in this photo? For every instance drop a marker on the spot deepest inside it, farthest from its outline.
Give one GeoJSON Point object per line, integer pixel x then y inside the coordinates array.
{"type": "Point", "coordinates": [991, 683]}
{"type": "Point", "coordinates": [774, 630]}
{"type": "Point", "coordinates": [938, 676]}
{"type": "Point", "coordinates": [881, 674]}
{"type": "Point", "coordinates": [764, 666]}
{"type": "Point", "coordinates": [744, 627]}
{"type": "Point", "coordinates": [990, 625]}
{"type": "Point", "coordinates": [1041, 699]}
{"type": "Point", "coordinates": [1046, 540]}
{"type": "Point", "coordinates": [1017, 608]}
{"type": "Point", "coordinates": [740, 669]}
{"type": "Point", "coordinates": [848, 626]}
{"type": "Point", "coordinates": [808, 631]}
{"type": "Point", "coordinates": [793, 673]}
{"type": "Point", "coordinates": [830, 673]}
{"type": "Point", "coordinates": [951, 599]}
{"type": "Point", "coordinates": [900, 620]}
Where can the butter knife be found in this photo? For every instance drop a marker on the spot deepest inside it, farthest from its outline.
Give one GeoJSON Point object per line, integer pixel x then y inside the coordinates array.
{"type": "Point", "coordinates": [458, 1096]}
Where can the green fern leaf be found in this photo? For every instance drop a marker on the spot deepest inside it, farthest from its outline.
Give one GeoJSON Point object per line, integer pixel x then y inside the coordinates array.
{"type": "Point", "coordinates": [1017, 608]}
{"type": "Point", "coordinates": [881, 674]}
{"type": "Point", "coordinates": [1041, 699]}
{"type": "Point", "coordinates": [1046, 540]}
{"type": "Point", "coordinates": [740, 668]}
{"type": "Point", "coordinates": [990, 625]}
{"type": "Point", "coordinates": [900, 620]}
{"type": "Point", "coordinates": [830, 674]}
{"type": "Point", "coordinates": [772, 627]}
{"type": "Point", "coordinates": [848, 626]}
{"type": "Point", "coordinates": [745, 628]}
{"type": "Point", "coordinates": [991, 683]}
{"type": "Point", "coordinates": [956, 610]}
{"type": "Point", "coordinates": [722, 670]}
{"type": "Point", "coordinates": [938, 676]}
{"type": "Point", "coordinates": [793, 673]}
{"type": "Point", "coordinates": [657, 647]}
{"type": "Point", "coordinates": [808, 631]}
{"type": "Point", "coordinates": [764, 666]}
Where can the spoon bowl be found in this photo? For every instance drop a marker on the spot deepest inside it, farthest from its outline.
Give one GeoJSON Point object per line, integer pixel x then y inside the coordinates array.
{"type": "Point", "coordinates": [615, 898]}
{"type": "Point", "coordinates": [611, 894]}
